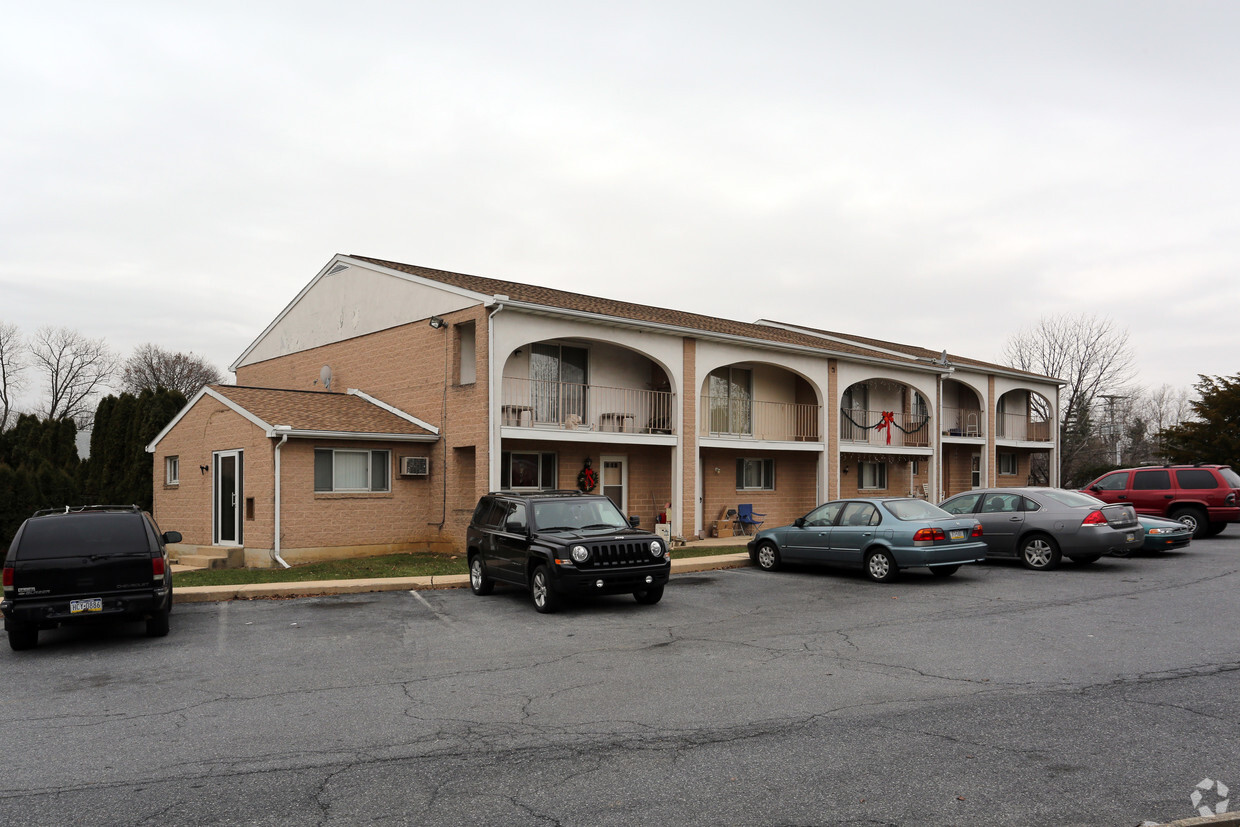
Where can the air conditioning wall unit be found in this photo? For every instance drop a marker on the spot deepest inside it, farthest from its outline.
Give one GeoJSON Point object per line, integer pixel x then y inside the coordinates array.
{"type": "Point", "coordinates": [415, 466]}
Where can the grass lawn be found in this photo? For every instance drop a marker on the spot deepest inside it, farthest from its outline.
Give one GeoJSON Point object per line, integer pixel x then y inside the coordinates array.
{"type": "Point", "coordinates": [422, 564]}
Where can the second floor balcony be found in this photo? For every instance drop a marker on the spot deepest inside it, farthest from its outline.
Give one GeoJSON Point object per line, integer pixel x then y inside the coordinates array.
{"type": "Point", "coordinates": [747, 419]}
{"type": "Point", "coordinates": [889, 429]}
{"type": "Point", "coordinates": [533, 403]}
{"type": "Point", "coordinates": [1023, 428]}
{"type": "Point", "coordinates": [961, 422]}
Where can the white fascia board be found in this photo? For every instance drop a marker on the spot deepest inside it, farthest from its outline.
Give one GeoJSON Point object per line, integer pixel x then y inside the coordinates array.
{"type": "Point", "coordinates": [805, 331]}
{"type": "Point", "coordinates": [677, 330]}
{"type": "Point", "coordinates": [349, 261]}
{"type": "Point", "coordinates": [393, 410]}
{"type": "Point", "coordinates": [303, 434]}
{"type": "Point", "coordinates": [223, 400]}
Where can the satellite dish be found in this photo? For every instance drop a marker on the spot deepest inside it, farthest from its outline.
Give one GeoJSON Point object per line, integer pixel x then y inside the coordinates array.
{"type": "Point", "coordinates": [325, 377]}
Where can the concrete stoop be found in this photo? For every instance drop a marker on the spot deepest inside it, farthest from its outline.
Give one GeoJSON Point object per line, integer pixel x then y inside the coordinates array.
{"type": "Point", "coordinates": [208, 557]}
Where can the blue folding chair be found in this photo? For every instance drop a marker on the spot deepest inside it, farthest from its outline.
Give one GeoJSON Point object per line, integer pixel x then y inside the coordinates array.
{"type": "Point", "coordinates": [745, 517]}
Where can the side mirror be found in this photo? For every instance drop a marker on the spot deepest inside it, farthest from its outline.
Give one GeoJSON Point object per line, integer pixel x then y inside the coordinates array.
{"type": "Point", "coordinates": [635, 521]}
{"type": "Point", "coordinates": [172, 537]}
{"type": "Point", "coordinates": [1095, 488]}
{"type": "Point", "coordinates": [514, 527]}
{"type": "Point", "coordinates": [799, 522]}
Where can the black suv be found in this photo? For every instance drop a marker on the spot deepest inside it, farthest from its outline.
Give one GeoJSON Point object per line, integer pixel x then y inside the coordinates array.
{"type": "Point", "coordinates": [558, 543]}
{"type": "Point", "coordinates": [83, 564]}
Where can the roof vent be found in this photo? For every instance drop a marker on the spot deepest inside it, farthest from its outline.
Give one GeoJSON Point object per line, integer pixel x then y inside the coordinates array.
{"type": "Point", "coordinates": [337, 269]}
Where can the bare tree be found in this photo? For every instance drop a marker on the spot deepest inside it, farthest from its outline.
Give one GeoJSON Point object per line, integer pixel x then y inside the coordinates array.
{"type": "Point", "coordinates": [75, 368]}
{"type": "Point", "coordinates": [152, 367]}
{"type": "Point", "coordinates": [1092, 356]}
{"type": "Point", "coordinates": [1162, 408]}
{"type": "Point", "coordinates": [12, 364]}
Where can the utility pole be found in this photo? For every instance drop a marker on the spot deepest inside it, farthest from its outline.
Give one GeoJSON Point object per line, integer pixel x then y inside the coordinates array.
{"type": "Point", "coordinates": [1111, 398]}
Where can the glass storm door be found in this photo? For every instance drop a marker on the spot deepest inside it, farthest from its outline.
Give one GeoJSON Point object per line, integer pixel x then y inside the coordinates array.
{"type": "Point", "coordinates": [227, 484]}
{"type": "Point", "coordinates": [615, 475]}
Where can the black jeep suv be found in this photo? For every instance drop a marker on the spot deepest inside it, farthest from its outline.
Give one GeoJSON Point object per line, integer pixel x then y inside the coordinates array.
{"type": "Point", "coordinates": [558, 543]}
{"type": "Point", "coordinates": [82, 564]}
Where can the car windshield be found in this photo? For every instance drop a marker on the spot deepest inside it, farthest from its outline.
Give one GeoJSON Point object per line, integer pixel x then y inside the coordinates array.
{"type": "Point", "coordinates": [1074, 499]}
{"type": "Point", "coordinates": [575, 515]}
{"type": "Point", "coordinates": [915, 510]}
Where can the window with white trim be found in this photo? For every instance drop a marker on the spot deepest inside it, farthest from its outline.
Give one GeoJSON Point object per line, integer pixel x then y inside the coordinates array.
{"type": "Point", "coordinates": [525, 470]}
{"type": "Point", "coordinates": [172, 470]}
{"type": "Point", "coordinates": [755, 474]}
{"type": "Point", "coordinates": [342, 470]}
{"type": "Point", "coordinates": [1007, 465]}
{"type": "Point", "coordinates": [873, 475]}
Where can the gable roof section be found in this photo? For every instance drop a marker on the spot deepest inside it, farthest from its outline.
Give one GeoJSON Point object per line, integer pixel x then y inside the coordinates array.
{"type": "Point", "coordinates": [314, 414]}
{"type": "Point", "coordinates": [630, 311]}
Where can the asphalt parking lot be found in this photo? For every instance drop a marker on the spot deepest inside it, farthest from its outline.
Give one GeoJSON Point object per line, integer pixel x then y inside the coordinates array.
{"type": "Point", "coordinates": [1099, 695]}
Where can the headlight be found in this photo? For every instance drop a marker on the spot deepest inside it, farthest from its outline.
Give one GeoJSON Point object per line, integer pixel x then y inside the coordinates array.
{"type": "Point", "coordinates": [580, 554]}
{"type": "Point", "coordinates": [1158, 531]}
{"type": "Point", "coordinates": [656, 548]}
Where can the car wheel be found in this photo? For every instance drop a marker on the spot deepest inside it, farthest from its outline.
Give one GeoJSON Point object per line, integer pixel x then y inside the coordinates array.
{"type": "Point", "coordinates": [1215, 528]}
{"type": "Point", "coordinates": [1039, 552]}
{"type": "Point", "coordinates": [650, 596]}
{"type": "Point", "coordinates": [545, 599]}
{"type": "Point", "coordinates": [1194, 519]}
{"type": "Point", "coordinates": [157, 623]}
{"type": "Point", "coordinates": [880, 566]}
{"type": "Point", "coordinates": [479, 583]}
{"type": "Point", "coordinates": [944, 571]}
{"type": "Point", "coordinates": [767, 556]}
{"type": "Point", "coordinates": [23, 637]}
{"type": "Point", "coordinates": [1086, 559]}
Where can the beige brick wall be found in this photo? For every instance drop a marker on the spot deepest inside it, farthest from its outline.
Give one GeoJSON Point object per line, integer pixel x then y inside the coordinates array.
{"type": "Point", "coordinates": [795, 494]}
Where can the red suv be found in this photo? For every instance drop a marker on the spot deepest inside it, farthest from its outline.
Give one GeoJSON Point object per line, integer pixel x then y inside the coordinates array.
{"type": "Point", "coordinates": [1203, 497]}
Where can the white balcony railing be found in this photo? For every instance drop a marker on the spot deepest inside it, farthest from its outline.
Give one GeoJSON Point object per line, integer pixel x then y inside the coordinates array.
{"type": "Point", "coordinates": [1023, 427]}
{"type": "Point", "coordinates": [884, 428]}
{"type": "Point", "coordinates": [785, 421]}
{"type": "Point", "coordinates": [532, 403]}
{"type": "Point", "coordinates": [961, 422]}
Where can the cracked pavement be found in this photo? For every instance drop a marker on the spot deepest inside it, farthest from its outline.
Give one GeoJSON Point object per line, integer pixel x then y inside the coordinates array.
{"type": "Point", "coordinates": [1094, 695]}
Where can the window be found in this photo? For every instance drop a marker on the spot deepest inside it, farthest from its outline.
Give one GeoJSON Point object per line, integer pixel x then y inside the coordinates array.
{"type": "Point", "coordinates": [527, 469]}
{"type": "Point", "coordinates": [755, 474]}
{"type": "Point", "coordinates": [339, 470]}
{"type": "Point", "coordinates": [172, 470]}
{"type": "Point", "coordinates": [1197, 479]}
{"type": "Point", "coordinates": [731, 401]}
{"type": "Point", "coordinates": [558, 378]}
{"type": "Point", "coordinates": [1113, 482]}
{"type": "Point", "coordinates": [467, 366]}
{"type": "Point", "coordinates": [964, 504]}
{"type": "Point", "coordinates": [1007, 465]}
{"type": "Point", "coordinates": [1151, 480]}
{"type": "Point", "coordinates": [873, 475]}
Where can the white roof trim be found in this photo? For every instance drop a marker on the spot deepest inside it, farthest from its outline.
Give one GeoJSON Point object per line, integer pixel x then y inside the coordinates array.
{"type": "Point", "coordinates": [223, 400]}
{"type": "Point", "coordinates": [303, 434]}
{"type": "Point", "coordinates": [393, 410]}
{"type": "Point", "coordinates": [349, 261]}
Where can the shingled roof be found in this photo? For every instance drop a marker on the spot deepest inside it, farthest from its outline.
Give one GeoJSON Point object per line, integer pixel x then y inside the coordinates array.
{"type": "Point", "coordinates": [566, 300]}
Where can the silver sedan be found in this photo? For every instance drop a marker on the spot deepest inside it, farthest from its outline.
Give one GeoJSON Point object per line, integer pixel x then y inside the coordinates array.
{"type": "Point", "coordinates": [1040, 526]}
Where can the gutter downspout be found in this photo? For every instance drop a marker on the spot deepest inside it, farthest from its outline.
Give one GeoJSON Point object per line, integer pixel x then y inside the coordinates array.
{"type": "Point", "coordinates": [491, 406]}
{"type": "Point", "coordinates": [275, 548]}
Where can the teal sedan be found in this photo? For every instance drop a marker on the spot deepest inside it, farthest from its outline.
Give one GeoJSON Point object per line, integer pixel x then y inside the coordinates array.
{"type": "Point", "coordinates": [1164, 535]}
{"type": "Point", "coordinates": [881, 536]}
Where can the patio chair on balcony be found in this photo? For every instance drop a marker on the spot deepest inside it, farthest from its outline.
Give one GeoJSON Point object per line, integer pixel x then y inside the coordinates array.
{"type": "Point", "coordinates": [746, 518]}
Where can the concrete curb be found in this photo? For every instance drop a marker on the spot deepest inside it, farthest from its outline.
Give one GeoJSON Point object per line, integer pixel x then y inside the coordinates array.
{"type": "Point", "coordinates": [314, 588]}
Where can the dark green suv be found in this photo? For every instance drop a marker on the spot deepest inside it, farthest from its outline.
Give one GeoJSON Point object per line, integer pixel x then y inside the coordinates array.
{"type": "Point", "coordinates": [86, 564]}
{"type": "Point", "coordinates": [558, 543]}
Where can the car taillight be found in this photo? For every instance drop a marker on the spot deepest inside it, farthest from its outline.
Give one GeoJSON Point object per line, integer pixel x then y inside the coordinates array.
{"type": "Point", "coordinates": [924, 534]}
{"type": "Point", "coordinates": [1231, 498]}
{"type": "Point", "coordinates": [977, 530]}
{"type": "Point", "coordinates": [1094, 518]}
{"type": "Point", "coordinates": [8, 576]}
{"type": "Point", "coordinates": [157, 567]}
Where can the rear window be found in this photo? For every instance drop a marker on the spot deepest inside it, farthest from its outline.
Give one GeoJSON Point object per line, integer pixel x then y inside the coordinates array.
{"type": "Point", "coordinates": [1196, 479]}
{"type": "Point", "coordinates": [1152, 480]}
{"type": "Point", "coordinates": [1074, 499]}
{"type": "Point", "coordinates": [76, 534]}
{"type": "Point", "coordinates": [1230, 477]}
{"type": "Point", "coordinates": [915, 510]}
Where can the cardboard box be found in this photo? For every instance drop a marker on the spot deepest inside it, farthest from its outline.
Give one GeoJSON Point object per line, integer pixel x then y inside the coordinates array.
{"type": "Point", "coordinates": [721, 528]}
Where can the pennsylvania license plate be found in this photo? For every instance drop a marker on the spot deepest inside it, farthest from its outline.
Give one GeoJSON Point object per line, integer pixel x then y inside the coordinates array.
{"type": "Point", "coordinates": [1130, 537]}
{"type": "Point", "coordinates": [90, 604]}
{"type": "Point", "coordinates": [957, 533]}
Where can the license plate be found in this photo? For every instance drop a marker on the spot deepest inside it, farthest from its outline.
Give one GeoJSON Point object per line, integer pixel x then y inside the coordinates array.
{"type": "Point", "coordinates": [90, 604]}
{"type": "Point", "coordinates": [1130, 537]}
{"type": "Point", "coordinates": [957, 533]}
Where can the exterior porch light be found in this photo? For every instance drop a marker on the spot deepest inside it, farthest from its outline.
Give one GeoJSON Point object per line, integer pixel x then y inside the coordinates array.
{"type": "Point", "coordinates": [436, 322]}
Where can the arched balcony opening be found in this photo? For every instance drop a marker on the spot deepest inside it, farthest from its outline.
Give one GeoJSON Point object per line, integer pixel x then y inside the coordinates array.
{"type": "Point", "coordinates": [759, 401]}
{"type": "Point", "coordinates": [961, 414]}
{"type": "Point", "coordinates": [586, 385]}
{"type": "Point", "coordinates": [1024, 416]}
{"type": "Point", "coordinates": [884, 413]}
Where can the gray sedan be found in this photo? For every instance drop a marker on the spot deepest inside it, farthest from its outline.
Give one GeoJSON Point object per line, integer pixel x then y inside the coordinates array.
{"type": "Point", "coordinates": [1042, 525]}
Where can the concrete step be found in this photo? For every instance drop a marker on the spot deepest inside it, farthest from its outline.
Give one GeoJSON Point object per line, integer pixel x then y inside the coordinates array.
{"type": "Point", "coordinates": [208, 557]}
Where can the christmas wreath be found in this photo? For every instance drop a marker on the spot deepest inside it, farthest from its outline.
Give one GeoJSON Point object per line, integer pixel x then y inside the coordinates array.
{"type": "Point", "coordinates": [587, 480]}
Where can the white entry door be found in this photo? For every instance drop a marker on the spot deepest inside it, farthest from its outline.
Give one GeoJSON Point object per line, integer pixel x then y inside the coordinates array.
{"type": "Point", "coordinates": [227, 496]}
{"type": "Point", "coordinates": [616, 480]}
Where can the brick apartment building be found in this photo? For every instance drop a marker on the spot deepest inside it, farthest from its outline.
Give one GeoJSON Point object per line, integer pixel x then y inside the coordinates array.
{"type": "Point", "coordinates": [385, 398]}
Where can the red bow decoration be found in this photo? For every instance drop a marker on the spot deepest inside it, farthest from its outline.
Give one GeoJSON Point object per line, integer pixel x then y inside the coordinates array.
{"type": "Point", "coordinates": [889, 419]}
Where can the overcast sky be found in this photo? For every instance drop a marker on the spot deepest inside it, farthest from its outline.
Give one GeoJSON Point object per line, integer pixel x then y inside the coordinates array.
{"type": "Point", "coordinates": [939, 173]}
